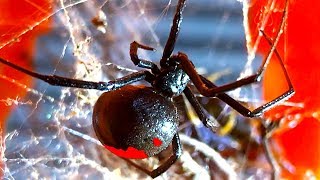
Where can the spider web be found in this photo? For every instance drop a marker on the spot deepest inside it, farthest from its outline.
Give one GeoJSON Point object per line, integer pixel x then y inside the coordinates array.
{"type": "Point", "coordinates": [49, 134]}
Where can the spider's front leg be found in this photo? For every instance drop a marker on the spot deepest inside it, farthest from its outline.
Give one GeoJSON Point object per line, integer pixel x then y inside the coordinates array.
{"type": "Point", "coordinates": [208, 89]}
{"type": "Point", "coordinates": [173, 36]}
{"type": "Point", "coordinates": [134, 46]}
{"type": "Point", "coordinates": [211, 92]}
{"type": "Point", "coordinates": [76, 83]}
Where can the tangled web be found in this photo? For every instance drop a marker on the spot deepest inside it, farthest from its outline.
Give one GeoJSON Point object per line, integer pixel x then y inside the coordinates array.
{"type": "Point", "coordinates": [49, 134]}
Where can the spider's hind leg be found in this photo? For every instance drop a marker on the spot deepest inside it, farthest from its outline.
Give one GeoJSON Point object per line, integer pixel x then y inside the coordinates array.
{"type": "Point", "coordinates": [205, 118]}
{"type": "Point", "coordinates": [177, 151]}
{"type": "Point", "coordinates": [269, 128]}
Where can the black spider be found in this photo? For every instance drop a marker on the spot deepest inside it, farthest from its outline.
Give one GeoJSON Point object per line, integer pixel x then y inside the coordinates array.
{"type": "Point", "coordinates": [139, 121]}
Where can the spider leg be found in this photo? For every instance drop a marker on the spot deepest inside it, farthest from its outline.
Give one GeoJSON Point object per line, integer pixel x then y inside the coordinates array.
{"type": "Point", "coordinates": [271, 159]}
{"type": "Point", "coordinates": [75, 83]}
{"type": "Point", "coordinates": [213, 91]}
{"type": "Point", "coordinates": [267, 133]}
{"type": "Point", "coordinates": [177, 151]}
{"type": "Point", "coordinates": [175, 28]}
{"type": "Point", "coordinates": [207, 88]}
{"type": "Point", "coordinates": [189, 68]}
{"type": "Point", "coordinates": [134, 46]}
{"type": "Point", "coordinates": [208, 122]}
{"type": "Point", "coordinates": [242, 109]}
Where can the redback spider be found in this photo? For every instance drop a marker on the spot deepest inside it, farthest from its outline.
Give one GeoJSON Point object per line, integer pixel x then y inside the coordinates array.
{"type": "Point", "coordinates": [137, 121]}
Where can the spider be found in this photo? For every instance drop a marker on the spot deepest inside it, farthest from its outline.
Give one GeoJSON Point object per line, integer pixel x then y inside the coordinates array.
{"type": "Point", "coordinates": [135, 121]}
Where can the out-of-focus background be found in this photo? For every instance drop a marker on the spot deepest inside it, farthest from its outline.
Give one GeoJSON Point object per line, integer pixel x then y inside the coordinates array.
{"type": "Point", "coordinates": [49, 134]}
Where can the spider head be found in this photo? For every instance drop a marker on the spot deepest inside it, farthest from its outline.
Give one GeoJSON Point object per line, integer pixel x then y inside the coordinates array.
{"type": "Point", "coordinates": [172, 80]}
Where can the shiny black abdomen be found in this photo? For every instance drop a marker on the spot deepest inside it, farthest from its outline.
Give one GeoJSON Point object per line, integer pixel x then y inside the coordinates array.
{"type": "Point", "coordinates": [135, 116]}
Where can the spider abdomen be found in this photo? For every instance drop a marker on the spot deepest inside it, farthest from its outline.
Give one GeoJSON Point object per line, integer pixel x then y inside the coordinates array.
{"type": "Point", "coordinates": [135, 121]}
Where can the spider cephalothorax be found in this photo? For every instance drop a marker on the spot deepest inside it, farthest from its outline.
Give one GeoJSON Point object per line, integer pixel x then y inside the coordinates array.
{"type": "Point", "coordinates": [171, 81]}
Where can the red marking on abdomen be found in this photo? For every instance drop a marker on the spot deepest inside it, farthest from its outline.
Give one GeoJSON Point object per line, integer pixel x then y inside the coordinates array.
{"type": "Point", "coordinates": [130, 153]}
{"type": "Point", "coordinates": [157, 142]}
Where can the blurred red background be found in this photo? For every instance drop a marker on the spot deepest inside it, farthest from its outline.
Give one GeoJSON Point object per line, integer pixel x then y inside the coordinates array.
{"type": "Point", "coordinates": [297, 140]}
{"type": "Point", "coordinates": [16, 17]}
